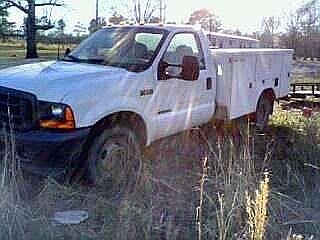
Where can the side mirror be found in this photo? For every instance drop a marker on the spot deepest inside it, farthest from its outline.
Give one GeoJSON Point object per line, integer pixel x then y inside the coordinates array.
{"type": "Point", "coordinates": [67, 52]}
{"type": "Point", "coordinates": [190, 68]}
{"type": "Point", "coordinates": [162, 71]}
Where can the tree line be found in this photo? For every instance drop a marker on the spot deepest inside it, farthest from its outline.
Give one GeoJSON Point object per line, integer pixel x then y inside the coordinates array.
{"type": "Point", "coordinates": [299, 30]}
{"type": "Point", "coordinates": [303, 31]}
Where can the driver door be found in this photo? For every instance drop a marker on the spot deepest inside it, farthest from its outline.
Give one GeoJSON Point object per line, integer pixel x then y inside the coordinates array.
{"type": "Point", "coordinates": [179, 100]}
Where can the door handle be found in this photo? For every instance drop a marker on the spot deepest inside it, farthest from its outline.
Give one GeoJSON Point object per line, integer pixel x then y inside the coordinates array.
{"type": "Point", "coordinates": [209, 83]}
{"type": "Point", "coordinates": [146, 92]}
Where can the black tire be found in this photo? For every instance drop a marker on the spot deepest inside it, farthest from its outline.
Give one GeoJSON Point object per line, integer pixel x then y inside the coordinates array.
{"type": "Point", "coordinates": [114, 161]}
{"type": "Point", "coordinates": [263, 112]}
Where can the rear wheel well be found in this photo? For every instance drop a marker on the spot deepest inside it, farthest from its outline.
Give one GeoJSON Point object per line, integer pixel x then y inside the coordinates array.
{"type": "Point", "coordinates": [269, 94]}
{"type": "Point", "coordinates": [264, 108]}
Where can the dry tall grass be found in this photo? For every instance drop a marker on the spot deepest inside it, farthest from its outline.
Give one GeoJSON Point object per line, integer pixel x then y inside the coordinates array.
{"type": "Point", "coordinates": [12, 216]}
{"type": "Point", "coordinates": [233, 172]}
{"type": "Point", "coordinates": [257, 210]}
{"type": "Point", "coordinates": [184, 193]}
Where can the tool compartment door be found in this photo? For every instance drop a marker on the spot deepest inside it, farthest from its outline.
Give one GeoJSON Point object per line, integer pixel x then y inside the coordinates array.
{"type": "Point", "coordinates": [243, 85]}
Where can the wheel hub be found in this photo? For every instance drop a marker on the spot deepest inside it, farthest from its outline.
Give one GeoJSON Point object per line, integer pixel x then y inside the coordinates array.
{"type": "Point", "coordinates": [114, 164]}
{"type": "Point", "coordinates": [112, 155]}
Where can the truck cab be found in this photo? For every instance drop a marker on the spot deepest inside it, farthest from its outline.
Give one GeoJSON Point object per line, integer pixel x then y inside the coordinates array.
{"type": "Point", "coordinates": [123, 86]}
{"type": "Point", "coordinates": [165, 101]}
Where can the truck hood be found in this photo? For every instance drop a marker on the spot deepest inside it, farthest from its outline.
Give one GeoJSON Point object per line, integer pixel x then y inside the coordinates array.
{"type": "Point", "coordinates": [52, 81]}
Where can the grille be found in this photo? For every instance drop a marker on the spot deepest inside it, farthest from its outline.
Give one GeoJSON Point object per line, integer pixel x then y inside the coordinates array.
{"type": "Point", "coordinates": [17, 109]}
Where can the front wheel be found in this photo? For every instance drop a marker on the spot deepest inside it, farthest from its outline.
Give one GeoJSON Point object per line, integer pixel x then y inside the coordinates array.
{"type": "Point", "coordinates": [114, 160]}
{"type": "Point", "coordinates": [263, 112]}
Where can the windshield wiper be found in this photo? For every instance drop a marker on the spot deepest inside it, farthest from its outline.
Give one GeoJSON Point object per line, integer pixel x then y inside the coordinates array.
{"type": "Point", "coordinates": [71, 58]}
{"type": "Point", "coordinates": [94, 60]}
{"type": "Point", "coordinates": [90, 60]}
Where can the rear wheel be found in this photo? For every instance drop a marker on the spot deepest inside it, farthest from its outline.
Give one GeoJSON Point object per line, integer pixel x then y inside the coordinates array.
{"type": "Point", "coordinates": [263, 112]}
{"type": "Point", "coordinates": [114, 160]}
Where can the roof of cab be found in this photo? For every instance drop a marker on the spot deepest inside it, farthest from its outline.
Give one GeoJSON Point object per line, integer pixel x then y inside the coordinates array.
{"type": "Point", "coordinates": [224, 35]}
{"type": "Point", "coordinates": [168, 27]}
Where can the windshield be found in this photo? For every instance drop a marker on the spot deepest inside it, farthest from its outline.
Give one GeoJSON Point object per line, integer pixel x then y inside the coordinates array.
{"type": "Point", "coordinates": [133, 48]}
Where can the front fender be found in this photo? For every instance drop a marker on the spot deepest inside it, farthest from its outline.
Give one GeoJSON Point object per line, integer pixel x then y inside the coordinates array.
{"type": "Point", "coordinates": [88, 115]}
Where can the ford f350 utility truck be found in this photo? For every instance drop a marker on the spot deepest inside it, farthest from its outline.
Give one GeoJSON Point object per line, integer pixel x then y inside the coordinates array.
{"type": "Point", "coordinates": [125, 87]}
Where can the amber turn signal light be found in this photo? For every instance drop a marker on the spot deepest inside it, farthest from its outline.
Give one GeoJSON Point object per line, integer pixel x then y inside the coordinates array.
{"type": "Point", "coordinates": [67, 123]}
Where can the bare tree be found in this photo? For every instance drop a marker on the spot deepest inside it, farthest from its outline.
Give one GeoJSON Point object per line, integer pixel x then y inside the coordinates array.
{"type": "Point", "coordinates": [143, 10]}
{"type": "Point", "coordinates": [28, 7]}
{"type": "Point", "coordinates": [293, 32]}
{"type": "Point", "coordinates": [95, 25]}
{"type": "Point", "coordinates": [270, 27]}
{"type": "Point", "coordinates": [116, 18]}
{"type": "Point", "coordinates": [309, 15]}
{"type": "Point", "coordinates": [303, 30]}
{"type": "Point", "coordinates": [138, 10]}
{"type": "Point", "coordinates": [208, 20]}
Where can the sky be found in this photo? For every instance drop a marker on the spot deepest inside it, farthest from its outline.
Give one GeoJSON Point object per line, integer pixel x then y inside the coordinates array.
{"type": "Point", "coordinates": [244, 15]}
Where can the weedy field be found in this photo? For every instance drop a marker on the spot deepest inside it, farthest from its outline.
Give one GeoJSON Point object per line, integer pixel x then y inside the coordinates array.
{"type": "Point", "coordinates": [192, 186]}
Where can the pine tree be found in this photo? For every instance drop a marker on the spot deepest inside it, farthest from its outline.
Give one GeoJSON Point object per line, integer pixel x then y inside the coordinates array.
{"type": "Point", "coordinates": [4, 25]}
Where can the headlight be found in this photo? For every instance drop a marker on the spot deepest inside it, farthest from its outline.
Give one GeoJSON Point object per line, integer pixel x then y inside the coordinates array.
{"type": "Point", "coordinates": [56, 115]}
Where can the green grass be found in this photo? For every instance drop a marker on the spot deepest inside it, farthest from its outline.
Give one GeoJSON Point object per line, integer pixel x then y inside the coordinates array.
{"type": "Point", "coordinates": [13, 53]}
{"type": "Point", "coordinates": [14, 57]}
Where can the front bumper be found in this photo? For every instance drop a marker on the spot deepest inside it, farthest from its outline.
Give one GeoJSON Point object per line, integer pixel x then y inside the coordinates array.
{"type": "Point", "coordinates": [49, 153]}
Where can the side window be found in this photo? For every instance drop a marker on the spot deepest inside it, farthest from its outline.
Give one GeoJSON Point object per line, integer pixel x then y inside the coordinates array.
{"type": "Point", "coordinates": [183, 44]}
{"type": "Point", "coordinates": [150, 40]}
{"type": "Point", "coordinates": [145, 45]}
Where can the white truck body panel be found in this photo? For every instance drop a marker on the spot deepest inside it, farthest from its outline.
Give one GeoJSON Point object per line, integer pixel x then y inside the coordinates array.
{"type": "Point", "coordinates": [245, 73]}
{"type": "Point", "coordinates": [222, 40]}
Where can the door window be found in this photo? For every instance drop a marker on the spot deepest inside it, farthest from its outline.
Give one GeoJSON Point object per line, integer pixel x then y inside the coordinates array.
{"type": "Point", "coordinates": [183, 44]}
{"type": "Point", "coordinates": [150, 40]}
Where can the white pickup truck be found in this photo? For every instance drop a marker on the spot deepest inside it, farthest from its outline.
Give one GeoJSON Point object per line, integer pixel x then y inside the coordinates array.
{"type": "Point", "coordinates": [125, 87]}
